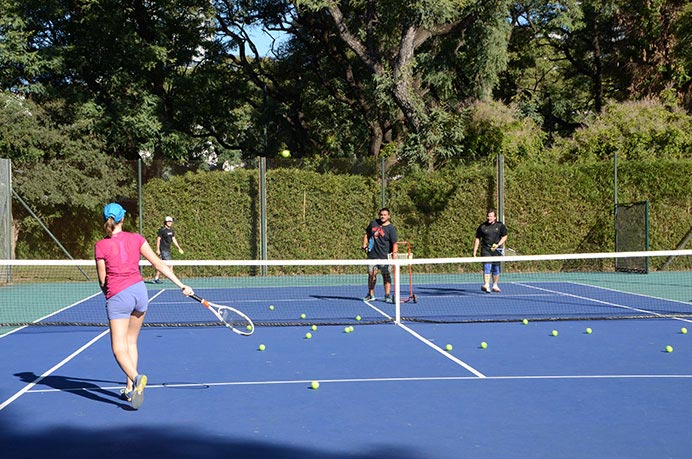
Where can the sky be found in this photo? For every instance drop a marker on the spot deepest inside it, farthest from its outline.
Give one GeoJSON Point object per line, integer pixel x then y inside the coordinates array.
{"type": "Point", "coordinates": [263, 41]}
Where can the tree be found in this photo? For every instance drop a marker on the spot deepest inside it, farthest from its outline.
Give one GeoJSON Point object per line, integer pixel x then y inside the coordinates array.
{"type": "Point", "coordinates": [421, 55]}
{"type": "Point", "coordinates": [569, 58]}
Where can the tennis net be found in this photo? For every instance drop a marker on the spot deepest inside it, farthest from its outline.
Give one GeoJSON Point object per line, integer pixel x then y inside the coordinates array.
{"type": "Point", "coordinates": [305, 292]}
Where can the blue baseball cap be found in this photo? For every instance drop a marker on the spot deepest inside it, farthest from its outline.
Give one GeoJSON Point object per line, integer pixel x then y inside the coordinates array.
{"type": "Point", "coordinates": [114, 210]}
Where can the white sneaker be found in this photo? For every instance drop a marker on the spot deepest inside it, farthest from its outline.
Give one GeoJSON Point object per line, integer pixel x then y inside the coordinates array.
{"type": "Point", "coordinates": [486, 288]}
{"type": "Point", "coordinates": [496, 288]}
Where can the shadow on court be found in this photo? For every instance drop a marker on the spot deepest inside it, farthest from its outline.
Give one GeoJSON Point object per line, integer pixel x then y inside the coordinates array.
{"type": "Point", "coordinates": [164, 442]}
{"type": "Point", "coordinates": [78, 386]}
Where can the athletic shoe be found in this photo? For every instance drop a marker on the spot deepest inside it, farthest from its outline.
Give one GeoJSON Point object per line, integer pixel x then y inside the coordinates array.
{"type": "Point", "coordinates": [496, 288]}
{"type": "Point", "coordinates": [125, 395]}
{"type": "Point", "coordinates": [486, 288]}
{"type": "Point", "coordinates": [138, 391]}
{"type": "Point", "coordinates": [158, 281]}
{"type": "Point", "coordinates": [388, 299]}
{"type": "Point", "coordinates": [369, 298]}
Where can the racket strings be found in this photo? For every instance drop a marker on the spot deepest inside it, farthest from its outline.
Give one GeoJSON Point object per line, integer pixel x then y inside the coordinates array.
{"type": "Point", "coordinates": [233, 319]}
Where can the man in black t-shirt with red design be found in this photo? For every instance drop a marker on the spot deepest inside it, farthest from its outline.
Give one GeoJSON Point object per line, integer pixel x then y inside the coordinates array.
{"type": "Point", "coordinates": [379, 241]}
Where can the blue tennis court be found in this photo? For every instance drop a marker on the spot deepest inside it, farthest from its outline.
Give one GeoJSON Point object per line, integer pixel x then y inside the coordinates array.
{"type": "Point", "coordinates": [387, 390]}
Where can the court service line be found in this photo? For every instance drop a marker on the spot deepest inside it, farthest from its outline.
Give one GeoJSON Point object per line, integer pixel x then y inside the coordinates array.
{"type": "Point", "coordinates": [394, 379]}
{"type": "Point", "coordinates": [28, 387]}
{"type": "Point", "coordinates": [442, 351]}
{"type": "Point", "coordinates": [378, 310]}
{"type": "Point", "coordinates": [607, 303]}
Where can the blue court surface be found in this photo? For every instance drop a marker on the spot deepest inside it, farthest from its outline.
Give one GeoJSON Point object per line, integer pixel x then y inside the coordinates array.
{"type": "Point", "coordinates": [387, 390]}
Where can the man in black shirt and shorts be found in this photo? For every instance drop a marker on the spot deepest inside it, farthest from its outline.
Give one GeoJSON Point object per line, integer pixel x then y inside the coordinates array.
{"type": "Point", "coordinates": [379, 241]}
{"type": "Point", "coordinates": [491, 237]}
{"type": "Point", "coordinates": [164, 237]}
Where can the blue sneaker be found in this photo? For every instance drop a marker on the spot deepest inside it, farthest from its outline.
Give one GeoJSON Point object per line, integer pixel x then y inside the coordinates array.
{"type": "Point", "coordinates": [158, 281]}
{"type": "Point", "coordinates": [137, 397]}
{"type": "Point", "coordinates": [369, 298]}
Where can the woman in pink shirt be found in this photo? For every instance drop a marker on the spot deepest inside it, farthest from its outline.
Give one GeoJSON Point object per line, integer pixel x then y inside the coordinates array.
{"type": "Point", "coordinates": [117, 263]}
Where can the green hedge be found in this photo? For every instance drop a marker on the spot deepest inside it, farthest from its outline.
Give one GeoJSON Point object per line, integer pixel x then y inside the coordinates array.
{"type": "Point", "coordinates": [548, 209]}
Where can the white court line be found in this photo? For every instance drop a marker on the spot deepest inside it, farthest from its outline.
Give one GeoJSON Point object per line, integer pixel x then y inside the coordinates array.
{"type": "Point", "coordinates": [51, 314]}
{"type": "Point", "coordinates": [607, 303]}
{"type": "Point", "coordinates": [14, 330]}
{"type": "Point", "coordinates": [443, 352]}
{"type": "Point", "coordinates": [28, 387]}
{"type": "Point", "coordinates": [369, 380]}
{"type": "Point", "coordinates": [658, 298]}
{"type": "Point", "coordinates": [378, 310]}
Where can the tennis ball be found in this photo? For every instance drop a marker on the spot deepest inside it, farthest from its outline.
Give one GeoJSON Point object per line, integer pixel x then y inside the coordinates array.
{"type": "Point", "coordinates": [248, 327]}
{"type": "Point", "coordinates": [271, 307]}
{"type": "Point", "coordinates": [314, 328]}
{"type": "Point", "coordinates": [588, 330]}
{"type": "Point", "coordinates": [669, 348]}
{"type": "Point", "coordinates": [303, 316]}
{"type": "Point", "coordinates": [525, 321]}
{"type": "Point", "coordinates": [285, 153]}
{"type": "Point", "coordinates": [357, 317]}
{"type": "Point", "coordinates": [683, 330]}
{"type": "Point", "coordinates": [554, 333]}
{"type": "Point", "coordinates": [262, 347]}
{"type": "Point", "coordinates": [308, 335]}
{"type": "Point", "coordinates": [484, 345]}
{"type": "Point", "coordinates": [351, 329]}
{"type": "Point", "coordinates": [347, 329]}
{"type": "Point", "coordinates": [315, 384]}
{"type": "Point", "coordinates": [448, 347]}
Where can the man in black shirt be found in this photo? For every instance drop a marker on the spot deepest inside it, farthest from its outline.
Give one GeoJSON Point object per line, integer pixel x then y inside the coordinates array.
{"type": "Point", "coordinates": [379, 241]}
{"type": "Point", "coordinates": [491, 237]}
{"type": "Point", "coordinates": [164, 237]}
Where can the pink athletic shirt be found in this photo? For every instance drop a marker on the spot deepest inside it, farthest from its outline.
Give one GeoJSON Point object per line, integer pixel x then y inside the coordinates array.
{"type": "Point", "coordinates": [121, 254]}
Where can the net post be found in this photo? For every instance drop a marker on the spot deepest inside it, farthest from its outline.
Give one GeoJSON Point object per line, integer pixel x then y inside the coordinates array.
{"type": "Point", "coordinates": [397, 291]}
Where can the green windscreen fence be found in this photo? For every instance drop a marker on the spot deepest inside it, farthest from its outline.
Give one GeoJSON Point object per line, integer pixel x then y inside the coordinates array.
{"type": "Point", "coordinates": [632, 235]}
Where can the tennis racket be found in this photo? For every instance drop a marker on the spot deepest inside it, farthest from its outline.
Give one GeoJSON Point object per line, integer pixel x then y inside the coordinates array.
{"type": "Point", "coordinates": [232, 318]}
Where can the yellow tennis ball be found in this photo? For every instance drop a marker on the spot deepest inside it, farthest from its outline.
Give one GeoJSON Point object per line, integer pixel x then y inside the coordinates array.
{"type": "Point", "coordinates": [484, 345]}
{"type": "Point", "coordinates": [315, 384]}
{"type": "Point", "coordinates": [347, 329]}
{"type": "Point", "coordinates": [357, 317]}
{"type": "Point", "coordinates": [248, 327]}
{"type": "Point", "coordinates": [588, 330]}
{"type": "Point", "coordinates": [683, 330]}
{"type": "Point", "coordinates": [314, 328]}
{"type": "Point", "coordinates": [262, 347]}
{"type": "Point", "coordinates": [303, 316]}
{"type": "Point", "coordinates": [554, 333]}
{"type": "Point", "coordinates": [285, 153]}
{"type": "Point", "coordinates": [308, 335]}
{"type": "Point", "coordinates": [525, 321]}
{"type": "Point", "coordinates": [669, 348]}
{"type": "Point", "coordinates": [448, 347]}
{"type": "Point", "coordinates": [271, 307]}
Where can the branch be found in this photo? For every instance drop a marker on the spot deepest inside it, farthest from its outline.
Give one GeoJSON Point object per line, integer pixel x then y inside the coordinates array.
{"type": "Point", "coordinates": [351, 40]}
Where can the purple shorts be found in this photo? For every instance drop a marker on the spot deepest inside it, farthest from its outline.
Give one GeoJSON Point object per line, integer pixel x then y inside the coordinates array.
{"type": "Point", "coordinates": [124, 303]}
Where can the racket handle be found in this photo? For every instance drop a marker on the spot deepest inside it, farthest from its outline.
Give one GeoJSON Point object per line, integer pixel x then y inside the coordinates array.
{"type": "Point", "coordinates": [200, 299]}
